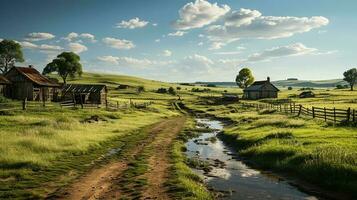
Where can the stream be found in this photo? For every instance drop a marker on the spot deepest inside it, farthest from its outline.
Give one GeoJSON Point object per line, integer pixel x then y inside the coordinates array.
{"type": "Point", "coordinates": [230, 175]}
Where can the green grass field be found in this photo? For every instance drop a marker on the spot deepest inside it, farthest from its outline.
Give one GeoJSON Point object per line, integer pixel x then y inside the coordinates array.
{"type": "Point", "coordinates": [309, 149]}
{"type": "Point", "coordinates": [42, 149]}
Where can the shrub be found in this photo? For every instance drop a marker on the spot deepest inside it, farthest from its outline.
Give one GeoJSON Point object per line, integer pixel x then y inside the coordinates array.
{"type": "Point", "coordinates": [172, 91]}
{"type": "Point", "coordinates": [290, 88]}
{"type": "Point", "coordinates": [141, 89]}
{"type": "Point", "coordinates": [161, 90]}
{"type": "Point", "coordinates": [178, 88]}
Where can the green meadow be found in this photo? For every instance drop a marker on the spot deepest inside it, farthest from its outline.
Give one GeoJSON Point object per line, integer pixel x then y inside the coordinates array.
{"type": "Point", "coordinates": [43, 149]}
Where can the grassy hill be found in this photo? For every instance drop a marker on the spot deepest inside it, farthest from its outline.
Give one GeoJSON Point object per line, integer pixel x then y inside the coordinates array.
{"type": "Point", "coordinates": [293, 83]}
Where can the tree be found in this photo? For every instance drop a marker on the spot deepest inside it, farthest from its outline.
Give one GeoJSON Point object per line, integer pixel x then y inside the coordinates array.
{"type": "Point", "coordinates": [244, 78]}
{"type": "Point", "coordinates": [66, 64]}
{"type": "Point", "coordinates": [10, 52]}
{"type": "Point", "coordinates": [351, 77]}
{"type": "Point", "coordinates": [171, 91]}
{"type": "Point", "coordinates": [141, 89]}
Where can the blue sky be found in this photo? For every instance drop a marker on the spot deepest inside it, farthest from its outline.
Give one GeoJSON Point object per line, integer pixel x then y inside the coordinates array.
{"type": "Point", "coordinates": [194, 40]}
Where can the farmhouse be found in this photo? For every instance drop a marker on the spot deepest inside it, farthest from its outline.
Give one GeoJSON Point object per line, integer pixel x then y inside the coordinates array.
{"type": "Point", "coordinates": [3, 83]}
{"type": "Point", "coordinates": [260, 90]}
{"type": "Point", "coordinates": [85, 93]}
{"type": "Point", "coordinates": [28, 83]}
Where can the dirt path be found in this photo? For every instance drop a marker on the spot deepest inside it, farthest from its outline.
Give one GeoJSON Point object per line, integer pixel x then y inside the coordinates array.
{"type": "Point", "coordinates": [102, 182]}
{"type": "Point", "coordinates": [159, 161]}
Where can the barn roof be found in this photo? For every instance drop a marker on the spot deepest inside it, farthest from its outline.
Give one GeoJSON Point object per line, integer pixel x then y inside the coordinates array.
{"type": "Point", "coordinates": [83, 88]}
{"type": "Point", "coordinates": [4, 81]}
{"type": "Point", "coordinates": [258, 85]}
{"type": "Point", "coordinates": [35, 76]}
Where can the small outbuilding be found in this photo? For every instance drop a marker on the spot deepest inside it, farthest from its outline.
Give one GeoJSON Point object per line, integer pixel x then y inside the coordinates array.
{"type": "Point", "coordinates": [28, 83]}
{"type": "Point", "coordinates": [307, 94]}
{"type": "Point", "coordinates": [260, 90]}
{"type": "Point", "coordinates": [85, 93]}
{"type": "Point", "coordinates": [3, 83]}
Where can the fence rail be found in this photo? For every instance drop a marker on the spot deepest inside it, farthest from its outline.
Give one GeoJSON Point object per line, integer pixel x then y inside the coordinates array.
{"type": "Point", "coordinates": [109, 105]}
{"type": "Point", "coordinates": [327, 114]}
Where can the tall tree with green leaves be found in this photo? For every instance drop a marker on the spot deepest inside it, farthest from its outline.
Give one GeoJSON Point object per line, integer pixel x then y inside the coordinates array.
{"type": "Point", "coordinates": [10, 52]}
{"type": "Point", "coordinates": [244, 78]}
{"type": "Point", "coordinates": [350, 76]}
{"type": "Point", "coordinates": [66, 64]}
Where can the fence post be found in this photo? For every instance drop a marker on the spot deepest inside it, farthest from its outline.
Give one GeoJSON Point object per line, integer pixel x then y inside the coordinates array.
{"type": "Point", "coordinates": [354, 115]}
{"type": "Point", "coordinates": [294, 107]}
{"type": "Point", "coordinates": [334, 115]}
{"type": "Point", "coordinates": [24, 103]}
{"type": "Point", "coordinates": [106, 104]}
{"type": "Point", "coordinates": [313, 112]}
{"type": "Point", "coordinates": [117, 104]}
{"type": "Point", "coordinates": [300, 107]}
{"type": "Point", "coordinates": [348, 114]}
{"type": "Point", "coordinates": [325, 114]}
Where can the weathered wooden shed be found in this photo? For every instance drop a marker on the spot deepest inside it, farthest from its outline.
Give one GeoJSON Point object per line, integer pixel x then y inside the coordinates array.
{"type": "Point", "coordinates": [85, 93]}
{"type": "Point", "coordinates": [27, 82]}
{"type": "Point", "coordinates": [260, 90]}
{"type": "Point", "coordinates": [3, 83]}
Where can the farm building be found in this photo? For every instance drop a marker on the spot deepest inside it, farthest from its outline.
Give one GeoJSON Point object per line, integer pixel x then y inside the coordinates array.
{"type": "Point", "coordinates": [27, 82]}
{"type": "Point", "coordinates": [3, 83]}
{"type": "Point", "coordinates": [85, 93]}
{"type": "Point", "coordinates": [260, 90]}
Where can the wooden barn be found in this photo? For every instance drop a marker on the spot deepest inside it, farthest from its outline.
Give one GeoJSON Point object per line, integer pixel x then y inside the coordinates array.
{"type": "Point", "coordinates": [3, 83]}
{"type": "Point", "coordinates": [260, 90]}
{"type": "Point", "coordinates": [27, 82]}
{"type": "Point", "coordinates": [85, 93]}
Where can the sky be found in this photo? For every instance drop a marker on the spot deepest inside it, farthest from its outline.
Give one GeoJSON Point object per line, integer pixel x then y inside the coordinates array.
{"type": "Point", "coordinates": [189, 40]}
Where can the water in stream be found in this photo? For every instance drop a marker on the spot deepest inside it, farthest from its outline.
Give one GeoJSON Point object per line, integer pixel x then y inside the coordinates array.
{"type": "Point", "coordinates": [239, 180]}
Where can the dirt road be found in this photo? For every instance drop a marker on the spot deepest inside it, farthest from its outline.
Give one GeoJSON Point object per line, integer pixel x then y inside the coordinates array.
{"type": "Point", "coordinates": [113, 180]}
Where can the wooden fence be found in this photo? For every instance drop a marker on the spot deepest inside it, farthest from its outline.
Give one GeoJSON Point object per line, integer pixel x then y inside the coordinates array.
{"type": "Point", "coordinates": [109, 105]}
{"type": "Point", "coordinates": [327, 114]}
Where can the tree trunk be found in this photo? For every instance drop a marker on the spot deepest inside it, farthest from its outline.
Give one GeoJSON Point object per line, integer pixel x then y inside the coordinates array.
{"type": "Point", "coordinates": [351, 87]}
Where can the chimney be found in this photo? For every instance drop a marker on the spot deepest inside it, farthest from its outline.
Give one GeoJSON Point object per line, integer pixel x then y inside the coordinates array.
{"type": "Point", "coordinates": [30, 66]}
{"type": "Point", "coordinates": [268, 79]}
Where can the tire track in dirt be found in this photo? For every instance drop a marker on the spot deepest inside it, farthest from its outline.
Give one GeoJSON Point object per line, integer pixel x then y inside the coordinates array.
{"type": "Point", "coordinates": [159, 162]}
{"type": "Point", "coordinates": [102, 182]}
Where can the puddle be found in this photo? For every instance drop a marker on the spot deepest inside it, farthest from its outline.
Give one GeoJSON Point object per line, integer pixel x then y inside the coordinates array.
{"type": "Point", "coordinates": [233, 177]}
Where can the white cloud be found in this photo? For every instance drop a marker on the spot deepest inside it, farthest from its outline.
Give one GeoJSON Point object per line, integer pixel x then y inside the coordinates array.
{"type": "Point", "coordinates": [72, 36]}
{"type": "Point", "coordinates": [77, 47]}
{"type": "Point", "coordinates": [132, 23]}
{"type": "Point", "coordinates": [247, 23]}
{"type": "Point", "coordinates": [216, 45]}
{"type": "Point", "coordinates": [132, 62]}
{"type": "Point", "coordinates": [228, 52]}
{"type": "Point", "coordinates": [39, 36]}
{"type": "Point", "coordinates": [177, 34]}
{"type": "Point", "coordinates": [200, 44]}
{"type": "Point", "coordinates": [155, 24]}
{"type": "Point", "coordinates": [157, 40]}
{"type": "Point", "coordinates": [282, 51]}
{"type": "Point", "coordinates": [118, 43]}
{"type": "Point", "coordinates": [42, 47]}
{"type": "Point", "coordinates": [198, 14]}
{"type": "Point", "coordinates": [167, 53]}
{"type": "Point", "coordinates": [88, 36]}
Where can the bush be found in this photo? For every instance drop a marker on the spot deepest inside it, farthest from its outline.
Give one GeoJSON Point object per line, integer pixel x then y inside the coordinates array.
{"type": "Point", "coordinates": [172, 91]}
{"type": "Point", "coordinates": [162, 90]}
{"type": "Point", "coordinates": [341, 86]}
{"type": "Point", "coordinates": [211, 85]}
{"type": "Point", "coordinates": [141, 89]}
{"type": "Point", "coordinates": [3, 99]}
{"type": "Point", "coordinates": [290, 88]}
{"type": "Point", "coordinates": [178, 88]}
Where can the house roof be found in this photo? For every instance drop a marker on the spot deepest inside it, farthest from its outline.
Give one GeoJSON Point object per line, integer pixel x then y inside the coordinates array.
{"type": "Point", "coordinates": [258, 85]}
{"type": "Point", "coordinates": [35, 76]}
{"type": "Point", "coordinates": [83, 88]}
{"type": "Point", "coordinates": [4, 81]}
